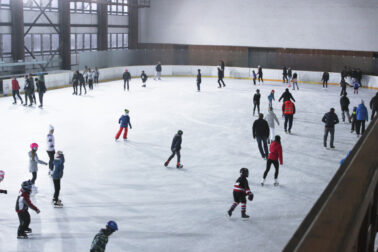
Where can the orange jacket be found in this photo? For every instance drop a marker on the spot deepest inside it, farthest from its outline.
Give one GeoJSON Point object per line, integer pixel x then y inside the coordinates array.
{"type": "Point", "coordinates": [288, 108]}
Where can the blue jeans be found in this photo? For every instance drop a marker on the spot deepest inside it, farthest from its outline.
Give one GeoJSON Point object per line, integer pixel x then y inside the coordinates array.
{"type": "Point", "coordinates": [262, 140]}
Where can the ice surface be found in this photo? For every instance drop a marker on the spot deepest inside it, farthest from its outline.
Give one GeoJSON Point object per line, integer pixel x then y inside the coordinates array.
{"type": "Point", "coordinates": [158, 208]}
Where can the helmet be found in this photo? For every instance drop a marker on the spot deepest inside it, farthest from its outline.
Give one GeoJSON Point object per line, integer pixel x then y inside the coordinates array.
{"type": "Point", "coordinates": [272, 91]}
{"type": "Point", "coordinates": [126, 111]}
{"type": "Point", "coordinates": [244, 172]}
{"type": "Point", "coordinates": [180, 132]}
{"type": "Point", "coordinates": [58, 154]}
{"type": "Point", "coordinates": [112, 225]}
{"type": "Point", "coordinates": [34, 146]}
{"type": "Point", "coordinates": [26, 186]}
{"type": "Point", "coordinates": [2, 174]}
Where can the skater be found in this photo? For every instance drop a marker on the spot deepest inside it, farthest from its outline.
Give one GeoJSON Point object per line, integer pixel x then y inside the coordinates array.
{"type": "Point", "coordinates": [222, 65]}
{"type": "Point", "coordinates": [75, 82]}
{"type": "Point", "coordinates": [51, 148]}
{"type": "Point", "coordinates": [359, 76]}
{"type": "Point", "coordinates": [175, 148]}
{"type": "Point", "coordinates": [284, 75]}
{"type": "Point", "coordinates": [256, 102]}
{"type": "Point", "coordinates": [32, 88]}
{"type": "Point", "coordinates": [2, 175]}
{"type": "Point", "coordinates": [81, 81]}
{"type": "Point", "coordinates": [16, 90]}
{"type": "Point", "coordinates": [254, 77]}
{"type": "Point", "coordinates": [158, 71]}
{"type": "Point", "coordinates": [126, 79]}
{"type": "Point", "coordinates": [325, 79]}
{"type": "Point", "coordinates": [22, 209]}
{"type": "Point", "coordinates": [199, 80]}
{"type": "Point", "coordinates": [260, 132]}
{"type": "Point", "coordinates": [270, 118]}
{"type": "Point", "coordinates": [41, 89]}
{"type": "Point", "coordinates": [344, 103]}
{"type": "Point", "coordinates": [295, 81]}
{"type": "Point", "coordinates": [57, 176]}
{"type": "Point", "coordinates": [353, 119]}
{"type": "Point", "coordinates": [260, 74]}
{"type": "Point", "coordinates": [34, 161]}
{"type": "Point", "coordinates": [361, 116]}
{"type": "Point", "coordinates": [240, 192]}
{"type": "Point", "coordinates": [144, 78]}
{"type": "Point", "coordinates": [343, 86]}
{"type": "Point", "coordinates": [28, 92]}
{"type": "Point", "coordinates": [220, 77]}
{"type": "Point", "coordinates": [330, 119]}
{"type": "Point", "coordinates": [85, 74]}
{"type": "Point", "coordinates": [101, 239]}
{"type": "Point", "coordinates": [96, 75]}
{"type": "Point", "coordinates": [271, 98]}
{"type": "Point", "coordinates": [124, 122]}
{"type": "Point", "coordinates": [288, 109]}
{"type": "Point", "coordinates": [356, 86]}
{"type": "Point", "coordinates": [289, 74]}
{"type": "Point", "coordinates": [90, 79]}
{"type": "Point", "coordinates": [286, 96]}
{"type": "Point", "coordinates": [373, 105]}
{"type": "Point", "coordinates": [275, 154]}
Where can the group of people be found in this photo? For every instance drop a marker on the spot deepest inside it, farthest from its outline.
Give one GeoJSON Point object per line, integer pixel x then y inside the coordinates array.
{"type": "Point", "coordinates": [88, 76]}
{"type": "Point", "coordinates": [29, 88]}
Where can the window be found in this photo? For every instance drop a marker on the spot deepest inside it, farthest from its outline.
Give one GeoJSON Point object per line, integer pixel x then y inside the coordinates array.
{"type": "Point", "coordinates": [94, 41]}
{"type": "Point", "coordinates": [36, 42]}
{"type": "Point", "coordinates": [83, 7]}
{"type": "Point", "coordinates": [28, 43]}
{"type": "Point", "coordinates": [55, 41]}
{"type": "Point", "coordinates": [79, 41]}
{"type": "Point", "coordinates": [46, 43]}
{"type": "Point", "coordinates": [125, 40]}
{"type": "Point", "coordinates": [117, 40]}
{"type": "Point", "coordinates": [32, 5]}
{"type": "Point", "coordinates": [87, 41]}
{"type": "Point", "coordinates": [118, 7]}
{"type": "Point", "coordinates": [73, 41]}
{"type": "Point", "coordinates": [6, 43]}
{"type": "Point", "coordinates": [4, 4]}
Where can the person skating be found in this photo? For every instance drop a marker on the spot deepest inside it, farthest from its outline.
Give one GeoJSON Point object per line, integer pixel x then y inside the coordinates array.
{"type": "Point", "coordinates": [353, 119]}
{"type": "Point", "coordinates": [344, 103]}
{"type": "Point", "coordinates": [2, 175]}
{"type": "Point", "coordinates": [260, 74]}
{"type": "Point", "coordinates": [356, 86]}
{"type": "Point", "coordinates": [240, 192]}
{"type": "Point", "coordinates": [222, 65]}
{"type": "Point", "coordinates": [260, 132]}
{"type": "Point", "coordinates": [271, 98]}
{"type": "Point", "coordinates": [286, 96]}
{"type": "Point", "coordinates": [343, 86]}
{"type": "Point", "coordinates": [175, 148]}
{"type": "Point", "coordinates": [101, 239]}
{"type": "Point", "coordinates": [295, 81]}
{"type": "Point", "coordinates": [199, 80]}
{"type": "Point", "coordinates": [96, 75]}
{"type": "Point", "coordinates": [16, 90]}
{"type": "Point", "coordinates": [90, 79]}
{"type": "Point", "coordinates": [51, 147]}
{"type": "Point", "coordinates": [81, 80]}
{"type": "Point", "coordinates": [256, 101]}
{"type": "Point", "coordinates": [41, 89]}
{"type": "Point", "coordinates": [270, 118]}
{"type": "Point", "coordinates": [57, 176]}
{"type": "Point", "coordinates": [374, 105]}
{"type": "Point", "coordinates": [325, 79]}
{"type": "Point", "coordinates": [126, 79]}
{"type": "Point", "coordinates": [275, 154]}
{"type": "Point", "coordinates": [22, 209]}
{"type": "Point", "coordinates": [284, 75]}
{"type": "Point", "coordinates": [289, 74]}
{"type": "Point", "coordinates": [28, 92]}
{"type": "Point", "coordinates": [330, 119]}
{"type": "Point", "coordinates": [34, 161]}
{"type": "Point", "coordinates": [288, 109]}
{"type": "Point", "coordinates": [124, 122]}
{"type": "Point", "coordinates": [85, 74]}
{"type": "Point", "coordinates": [144, 78]}
{"type": "Point", "coordinates": [75, 82]}
{"type": "Point", "coordinates": [32, 87]}
{"type": "Point", "coordinates": [158, 71]}
{"type": "Point", "coordinates": [220, 77]}
{"type": "Point", "coordinates": [361, 116]}
{"type": "Point", "coordinates": [254, 77]}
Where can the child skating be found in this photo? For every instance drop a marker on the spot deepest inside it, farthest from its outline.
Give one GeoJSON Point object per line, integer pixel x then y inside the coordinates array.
{"type": "Point", "coordinates": [271, 98]}
{"type": "Point", "coordinates": [33, 162]}
{"type": "Point", "coordinates": [57, 176]}
{"type": "Point", "coordinates": [175, 148]}
{"type": "Point", "coordinates": [101, 239]}
{"type": "Point", "coordinates": [124, 122]}
{"type": "Point", "coordinates": [144, 78]}
{"type": "Point", "coordinates": [2, 175]}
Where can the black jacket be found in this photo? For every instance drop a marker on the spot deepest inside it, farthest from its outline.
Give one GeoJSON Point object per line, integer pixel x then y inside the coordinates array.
{"type": "Point", "coordinates": [126, 76]}
{"type": "Point", "coordinates": [158, 68]}
{"type": "Point", "coordinates": [222, 65]}
{"type": "Point", "coordinates": [344, 102]}
{"type": "Point", "coordinates": [284, 71]}
{"type": "Point", "coordinates": [260, 128]}
{"type": "Point", "coordinates": [41, 87]}
{"type": "Point", "coordinates": [176, 143]}
{"type": "Point", "coordinates": [343, 83]}
{"type": "Point", "coordinates": [289, 72]}
{"type": "Point", "coordinates": [31, 82]}
{"type": "Point", "coordinates": [80, 77]}
{"type": "Point", "coordinates": [256, 98]}
{"type": "Point", "coordinates": [28, 87]}
{"type": "Point", "coordinates": [286, 96]}
{"type": "Point", "coordinates": [325, 76]}
{"type": "Point", "coordinates": [199, 77]}
{"type": "Point", "coordinates": [75, 78]}
{"type": "Point", "coordinates": [144, 77]}
{"type": "Point", "coordinates": [330, 119]}
{"type": "Point", "coordinates": [374, 102]}
{"type": "Point", "coordinates": [220, 72]}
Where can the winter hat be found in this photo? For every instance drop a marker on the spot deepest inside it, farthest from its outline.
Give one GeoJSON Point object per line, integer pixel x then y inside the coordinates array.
{"type": "Point", "coordinates": [126, 111]}
{"type": "Point", "coordinates": [272, 91]}
{"type": "Point", "coordinates": [362, 101]}
{"type": "Point", "coordinates": [58, 154]}
{"type": "Point", "coordinates": [51, 127]}
{"type": "Point", "coordinates": [126, 70]}
{"type": "Point", "coordinates": [34, 146]}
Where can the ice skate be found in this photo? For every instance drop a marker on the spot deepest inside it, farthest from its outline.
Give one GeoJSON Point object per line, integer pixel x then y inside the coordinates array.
{"type": "Point", "coordinates": [166, 163]}
{"type": "Point", "coordinates": [179, 166]}
{"type": "Point", "coordinates": [14, 102]}
{"type": "Point", "coordinates": [22, 236]}
{"type": "Point", "coordinates": [244, 215]}
{"type": "Point", "coordinates": [276, 182]}
{"type": "Point", "coordinates": [262, 182]}
{"type": "Point", "coordinates": [58, 203]}
{"type": "Point", "coordinates": [332, 147]}
{"type": "Point", "coordinates": [229, 212]}
{"type": "Point", "coordinates": [28, 230]}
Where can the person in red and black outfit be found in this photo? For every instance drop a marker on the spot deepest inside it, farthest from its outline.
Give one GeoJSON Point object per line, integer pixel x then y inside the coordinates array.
{"type": "Point", "coordinates": [241, 190]}
{"type": "Point", "coordinates": [22, 205]}
{"type": "Point", "coordinates": [16, 90]}
{"type": "Point", "coordinates": [288, 109]}
{"type": "Point", "coordinates": [275, 154]}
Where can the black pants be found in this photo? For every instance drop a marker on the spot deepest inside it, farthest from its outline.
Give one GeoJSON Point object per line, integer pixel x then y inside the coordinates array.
{"type": "Point", "coordinates": [57, 189]}
{"type": "Point", "coordinates": [260, 78]}
{"type": "Point", "coordinates": [260, 142]}
{"type": "Point", "coordinates": [126, 84]}
{"type": "Point", "coordinates": [177, 152]}
{"type": "Point", "coordinates": [34, 99]}
{"type": "Point", "coordinates": [276, 166]}
{"type": "Point", "coordinates": [198, 85]}
{"type": "Point", "coordinates": [288, 118]}
{"type": "Point", "coordinates": [256, 104]}
{"type": "Point", "coordinates": [14, 93]}
{"type": "Point", "coordinates": [28, 95]}
{"type": "Point", "coordinates": [239, 197]}
{"type": "Point", "coordinates": [220, 81]}
{"type": "Point", "coordinates": [40, 96]}
{"type": "Point", "coordinates": [82, 84]}
{"type": "Point", "coordinates": [372, 112]}
{"type": "Point", "coordinates": [96, 80]}
{"type": "Point", "coordinates": [354, 121]}
{"type": "Point", "coordinates": [331, 131]}
{"type": "Point", "coordinates": [74, 85]}
{"type": "Point", "coordinates": [360, 123]}
{"type": "Point", "coordinates": [24, 218]}
{"type": "Point", "coordinates": [343, 91]}
{"type": "Point", "coordinates": [285, 79]}
{"type": "Point", "coordinates": [34, 178]}
{"type": "Point", "coordinates": [90, 84]}
{"type": "Point", "coordinates": [51, 159]}
{"type": "Point", "coordinates": [325, 83]}
{"type": "Point", "coordinates": [254, 81]}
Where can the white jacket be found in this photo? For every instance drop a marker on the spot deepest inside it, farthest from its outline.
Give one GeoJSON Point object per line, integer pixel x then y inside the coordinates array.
{"type": "Point", "coordinates": [33, 163]}
{"type": "Point", "coordinates": [50, 142]}
{"type": "Point", "coordinates": [270, 118]}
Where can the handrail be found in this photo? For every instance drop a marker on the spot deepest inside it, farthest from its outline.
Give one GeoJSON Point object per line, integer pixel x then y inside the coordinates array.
{"type": "Point", "coordinates": [344, 218]}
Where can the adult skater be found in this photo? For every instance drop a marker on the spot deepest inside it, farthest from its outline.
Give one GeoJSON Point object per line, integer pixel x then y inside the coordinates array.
{"type": "Point", "coordinates": [175, 148]}
{"type": "Point", "coordinates": [199, 80]}
{"type": "Point", "coordinates": [144, 78]}
{"type": "Point", "coordinates": [16, 90]}
{"type": "Point", "coordinates": [271, 98]}
{"type": "Point", "coordinates": [353, 118]}
{"type": "Point", "coordinates": [344, 103]}
{"type": "Point", "coordinates": [325, 79]}
{"type": "Point", "coordinates": [260, 132]}
{"type": "Point", "coordinates": [90, 79]}
{"type": "Point", "coordinates": [356, 86]}
{"type": "Point", "coordinates": [96, 75]}
{"type": "Point", "coordinates": [220, 77]}
{"type": "Point", "coordinates": [41, 89]}
{"type": "Point", "coordinates": [288, 109]}
{"type": "Point", "coordinates": [270, 118]}
{"type": "Point", "coordinates": [124, 122]}
{"type": "Point", "coordinates": [75, 82]}
{"type": "Point", "coordinates": [275, 154]}
{"type": "Point", "coordinates": [289, 74]}
{"type": "Point", "coordinates": [240, 192]}
{"type": "Point", "coordinates": [361, 116]}
{"type": "Point", "coordinates": [57, 176]}
{"type": "Point", "coordinates": [374, 105]}
{"type": "Point", "coordinates": [2, 175]}
{"type": "Point", "coordinates": [22, 209]}
{"type": "Point", "coordinates": [34, 161]}
{"type": "Point", "coordinates": [32, 88]}
{"type": "Point", "coordinates": [101, 239]}
{"type": "Point", "coordinates": [222, 65]}
{"type": "Point", "coordinates": [158, 71]}
{"type": "Point", "coordinates": [330, 119]}
{"type": "Point", "coordinates": [295, 81]}
{"type": "Point", "coordinates": [126, 79]}
{"type": "Point", "coordinates": [51, 148]}
{"type": "Point", "coordinates": [260, 74]}
{"type": "Point", "coordinates": [85, 74]}
{"type": "Point", "coordinates": [343, 86]}
{"type": "Point", "coordinates": [286, 96]}
{"type": "Point", "coordinates": [254, 77]}
{"type": "Point", "coordinates": [284, 75]}
{"type": "Point", "coordinates": [256, 101]}
{"type": "Point", "coordinates": [81, 80]}
{"type": "Point", "coordinates": [28, 92]}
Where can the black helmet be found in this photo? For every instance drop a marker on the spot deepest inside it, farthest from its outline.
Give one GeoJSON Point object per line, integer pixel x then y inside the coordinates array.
{"type": "Point", "coordinates": [26, 186]}
{"type": "Point", "coordinates": [180, 132]}
{"type": "Point", "coordinates": [244, 172]}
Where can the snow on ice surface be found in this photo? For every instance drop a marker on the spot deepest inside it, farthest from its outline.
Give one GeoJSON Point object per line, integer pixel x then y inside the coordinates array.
{"type": "Point", "coordinates": [158, 208]}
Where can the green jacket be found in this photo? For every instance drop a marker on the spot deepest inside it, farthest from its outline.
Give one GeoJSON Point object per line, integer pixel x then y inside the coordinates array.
{"type": "Point", "coordinates": [99, 242]}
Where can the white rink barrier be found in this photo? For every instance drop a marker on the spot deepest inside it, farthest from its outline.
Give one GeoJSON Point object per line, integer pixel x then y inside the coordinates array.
{"type": "Point", "coordinates": [63, 79]}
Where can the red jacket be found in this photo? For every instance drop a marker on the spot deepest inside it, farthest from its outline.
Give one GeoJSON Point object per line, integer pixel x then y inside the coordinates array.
{"type": "Point", "coordinates": [23, 202]}
{"type": "Point", "coordinates": [288, 108]}
{"type": "Point", "coordinates": [275, 151]}
{"type": "Point", "coordinates": [15, 85]}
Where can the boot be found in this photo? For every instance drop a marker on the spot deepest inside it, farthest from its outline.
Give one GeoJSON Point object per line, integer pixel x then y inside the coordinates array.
{"type": "Point", "coordinates": [262, 182]}
{"type": "Point", "coordinates": [28, 230]}
{"type": "Point", "coordinates": [276, 182]}
{"type": "Point", "coordinates": [166, 163]}
{"type": "Point", "coordinates": [244, 215]}
{"type": "Point", "coordinates": [229, 212]}
{"type": "Point", "coordinates": [22, 236]}
{"type": "Point", "coordinates": [179, 165]}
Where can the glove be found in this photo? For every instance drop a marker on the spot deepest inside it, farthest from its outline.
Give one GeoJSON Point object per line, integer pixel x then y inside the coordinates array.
{"type": "Point", "coordinates": [250, 197]}
{"type": "Point", "coordinates": [38, 211]}
{"type": "Point", "coordinates": [4, 191]}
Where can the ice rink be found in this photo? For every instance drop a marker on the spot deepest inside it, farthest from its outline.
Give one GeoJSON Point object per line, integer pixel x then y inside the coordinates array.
{"type": "Point", "coordinates": [158, 208]}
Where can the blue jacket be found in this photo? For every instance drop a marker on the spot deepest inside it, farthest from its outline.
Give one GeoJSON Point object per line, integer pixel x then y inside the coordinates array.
{"type": "Point", "coordinates": [58, 168]}
{"type": "Point", "coordinates": [271, 97]}
{"type": "Point", "coordinates": [356, 85]}
{"type": "Point", "coordinates": [125, 121]}
{"type": "Point", "coordinates": [362, 113]}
